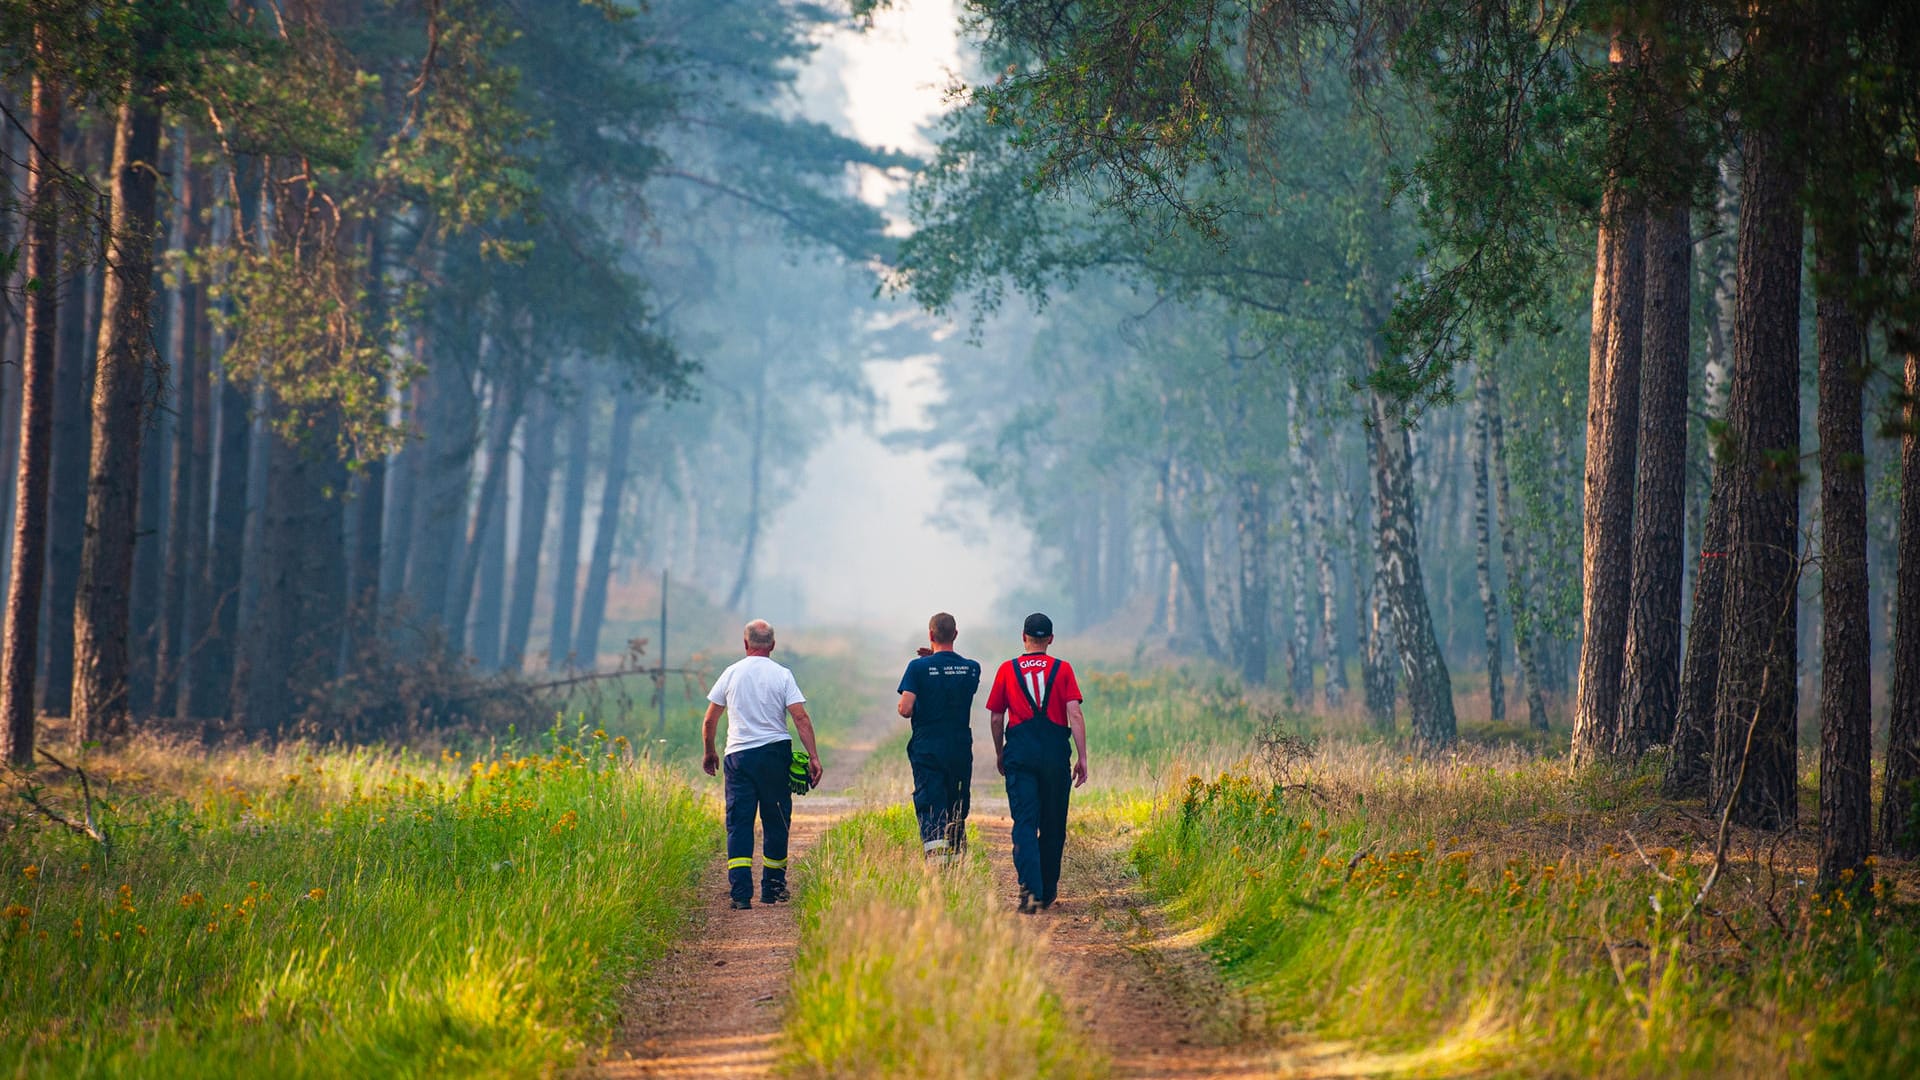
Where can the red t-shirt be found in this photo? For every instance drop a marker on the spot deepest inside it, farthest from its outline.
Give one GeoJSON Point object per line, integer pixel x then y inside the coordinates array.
{"type": "Point", "coordinates": [1034, 668]}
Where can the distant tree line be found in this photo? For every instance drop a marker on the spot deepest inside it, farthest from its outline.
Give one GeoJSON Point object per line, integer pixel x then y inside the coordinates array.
{"type": "Point", "coordinates": [1371, 210]}
{"type": "Point", "coordinates": [343, 337]}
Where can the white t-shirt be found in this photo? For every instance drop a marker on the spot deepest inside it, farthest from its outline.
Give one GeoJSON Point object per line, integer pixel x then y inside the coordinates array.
{"type": "Point", "coordinates": [755, 692]}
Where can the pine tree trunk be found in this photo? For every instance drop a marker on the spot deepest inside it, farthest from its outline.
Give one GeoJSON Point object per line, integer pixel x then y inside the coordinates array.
{"type": "Point", "coordinates": [369, 500]}
{"type": "Point", "coordinates": [1189, 574]}
{"type": "Point", "coordinates": [38, 349]}
{"type": "Point", "coordinates": [489, 598]}
{"type": "Point", "coordinates": [1300, 645]}
{"type": "Point", "coordinates": [189, 445]}
{"type": "Point", "coordinates": [536, 481]}
{"type": "Point", "coordinates": [101, 606]}
{"type": "Point", "coordinates": [67, 487]}
{"type": "Point", "coordinates": [150, 529]}
{"type": "Point", "coordinates": [1846, 717]}
{"type": "Point", "coordinates": [1376, 627]}
{"type": "Point", "coordinates": [1323, 517]}
{"type": "Point", "coordinates": [214, 618]}
{"type": "Point", "coordinates": [1429, 687]}
{"type": "Point", "coordinates": [449, 417]}
{"type": "Point", "coordinates": [486, 514]}
{"type": "Point", "coordinates": [566, 564]}
{"type": "Point", "coordinates": [403, 500]}
{"type": "Point", "coordinates": [1613, 411]}
{"type": "Point", "coordinates": [593, 598]}
{"type": "Point", "coordinates": [1251, 523]}
{"type": "Point", "coordinates": [1650, 682]}
{"type": "Point", "coordinates": [1754, 759]}
{"type": "Point", "coordinates": [291, 642]}
{"type": "Point", "coordinates": [1900, 800]}
{"type": "Point", "coordinates": [1483, 538]}
{"type": "Point", "coordinates": [1526, 629]}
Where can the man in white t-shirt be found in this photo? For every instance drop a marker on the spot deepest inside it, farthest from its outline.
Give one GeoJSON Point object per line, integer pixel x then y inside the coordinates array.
{"type": "Point", "coordinates": [758, 695]}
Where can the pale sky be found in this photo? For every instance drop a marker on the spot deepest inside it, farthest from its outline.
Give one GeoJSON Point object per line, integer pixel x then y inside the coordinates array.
{"type": "Point", "coordinates": [858, 536]}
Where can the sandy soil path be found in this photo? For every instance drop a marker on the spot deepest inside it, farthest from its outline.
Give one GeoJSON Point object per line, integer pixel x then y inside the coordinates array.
{"type": "Point", "coordinates": [1152, 1000]}
{"type": "Point", "coordinates": [711, 1007]}
{"type": "Point", "coordinates": [1147, 995]}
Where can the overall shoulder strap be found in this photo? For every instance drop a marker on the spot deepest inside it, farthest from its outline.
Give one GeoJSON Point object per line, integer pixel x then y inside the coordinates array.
{"type": "Point", "coordinates": [1038, 705]}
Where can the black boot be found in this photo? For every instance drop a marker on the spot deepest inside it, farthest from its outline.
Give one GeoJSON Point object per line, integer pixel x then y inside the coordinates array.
{"type": "Point", "coordinates": [742, 905]}
{"type": "Point", "coordinates": [1026, 901]}
{"type": "Point", "coordinates": [774, 892]}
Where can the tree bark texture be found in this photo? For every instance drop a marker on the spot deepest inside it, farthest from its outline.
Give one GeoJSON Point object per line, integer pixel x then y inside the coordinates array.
{"type": "Point", "coordinates": [214, 617]}
{"type": "Point", "coordinates": [1690, 762]}
{"type": "Point", "coordinates": [1376, 626]}
{"type": "Point", "coordinates": [189, 445]}
{"type": "Point", "coordinates": [1187, 571]}
{"type": "Point", "coordinates": [1613, 412]}
{"type": "Point", "coordinates": [102, 602]}
{"type": "Point", "coordinates": [17, 713]}
{"type": "Point", "coordinates": [1251, 524]}
{"type": "Point", "coordinates": [593, 597]}
{"type": "Point", "coordinates": [369, 503]}
{"type": "Point", "coordinates": [265, 687]}
{"type": "Point", "coordinates": [1300, 645]}
{"type": "Point", "coordinates": [445, 462]}
{"type": "Point", "coordinates": [1754, 759]}
{"type": "Point", "coordinates": [1900, 801]}
{"type": "Point", "coordinates": [1429, 687]}
{"type": "Point", "coordinates": [1483, 539]}
{"type": "Point", "coordinates": [536, 482]}
{"type": "Point", "coordinates": [1650, 682]}
{"type": "Point", "coordinates": [1323, 517]}
{"type": "Point", "coordinates": [67, 488]}
{"type": "Point", "coordinates": [1846, 651]}
{"type": "Point", "coordinates": [489, 595]}
{"type": "Point", "coordinates": [566, 562]}
{"type": "Point", "coordinates": [493, 491]}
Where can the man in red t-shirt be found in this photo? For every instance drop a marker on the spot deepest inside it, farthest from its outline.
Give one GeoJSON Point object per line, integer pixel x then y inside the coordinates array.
{"type": "Point", "coordinates": [1034, 708]}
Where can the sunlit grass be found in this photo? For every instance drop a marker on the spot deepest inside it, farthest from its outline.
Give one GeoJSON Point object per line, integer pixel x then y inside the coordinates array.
{"type": "Point", "coordinates": [912, 969]}
{"type": "Point", "coordinates": [342, 912]}
{"type": "Point", "coordinates": [1465, 910]}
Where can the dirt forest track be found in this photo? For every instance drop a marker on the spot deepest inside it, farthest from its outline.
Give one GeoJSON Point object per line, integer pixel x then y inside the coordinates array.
{"type": "Point", "coordinates": [1145, 995]}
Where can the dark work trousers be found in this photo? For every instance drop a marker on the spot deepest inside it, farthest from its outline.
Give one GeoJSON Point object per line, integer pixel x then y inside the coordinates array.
{"type": "Point", "coordinates": [757, 781]}
{"type": "Point", "coordinates": [942, 760]}
{"type": "Point", "coordinates": [1039, 778]}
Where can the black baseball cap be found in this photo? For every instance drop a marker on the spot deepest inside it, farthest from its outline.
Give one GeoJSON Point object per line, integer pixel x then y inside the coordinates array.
{"type": "Point", "coordinates": [1038, 626]}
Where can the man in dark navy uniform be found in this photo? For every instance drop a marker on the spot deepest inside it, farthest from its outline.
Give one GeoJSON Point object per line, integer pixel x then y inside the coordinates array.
{"type": "Point", "coordinates": [1035, 709]}
{"type": "Point", "coordinates": [936, 693]}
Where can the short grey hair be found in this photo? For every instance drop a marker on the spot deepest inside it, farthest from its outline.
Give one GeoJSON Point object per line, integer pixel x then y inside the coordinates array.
{"type": "Point", "coordinates": [759, 634]}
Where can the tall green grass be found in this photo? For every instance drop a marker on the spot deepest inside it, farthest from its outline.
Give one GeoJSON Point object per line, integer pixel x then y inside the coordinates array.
{"type": "Point", "coordinates": [342, 913]}
{"type": "Point", "coordinates": [911, 969]}
{"type": "Point", "coordinates": [1406, 908]}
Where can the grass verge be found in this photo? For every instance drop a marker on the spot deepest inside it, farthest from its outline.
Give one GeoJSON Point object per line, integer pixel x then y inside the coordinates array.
{"type": "Point", "coordinates": [911, 969]}
{"type": "Point", "coordinates": [333, 913]}
{"type": "Point", "coordinates": [1484, 913]}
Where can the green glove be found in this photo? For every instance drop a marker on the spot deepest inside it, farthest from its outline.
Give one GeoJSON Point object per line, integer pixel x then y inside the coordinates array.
{"type": "Point", "coordinates": [797, 778]}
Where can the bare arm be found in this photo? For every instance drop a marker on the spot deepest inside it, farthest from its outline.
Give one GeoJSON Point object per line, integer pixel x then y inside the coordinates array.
{"type": "Point", "coordinates": [1077, 723]}
{"type": "Point", "coordinates": [804, 725]}
{"type": "Point", "coordinates": [998, 723]}
{"type": "Point", "coordinates": [708, 728]}
{"type": "Point", "coordinates": [905, 708]}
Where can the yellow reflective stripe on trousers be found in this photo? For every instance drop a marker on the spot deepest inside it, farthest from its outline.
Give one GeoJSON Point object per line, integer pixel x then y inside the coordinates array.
{"type": "Point", "coordinates": [773, 864]}
{"type": "Point", "coordinates": [935, 845]}
{"type": "Point", "coordinates": [736, 864]}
